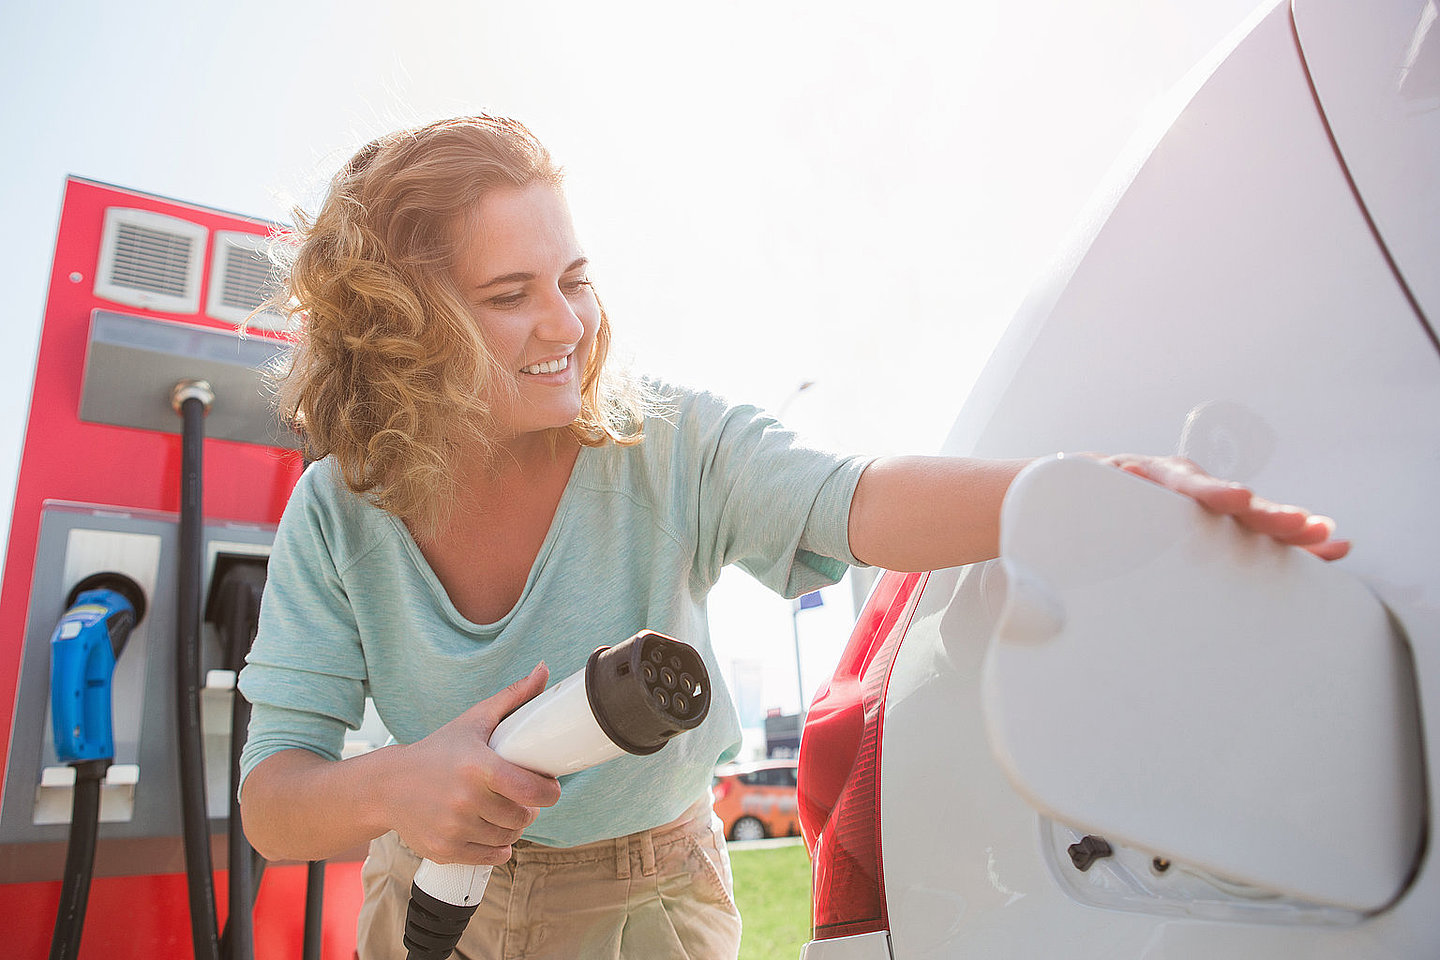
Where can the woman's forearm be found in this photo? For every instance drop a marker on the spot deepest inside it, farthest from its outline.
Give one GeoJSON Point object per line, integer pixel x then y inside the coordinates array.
{"type": "Point", "coordinates": [924, 513]}
{"type": "Point", "coordinates": [449, 796]}
{"type": "Point", "coordinates": [297, 805]}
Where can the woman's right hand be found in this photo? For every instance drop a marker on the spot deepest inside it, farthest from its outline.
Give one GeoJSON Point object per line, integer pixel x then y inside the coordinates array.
{"type": "Point", "coordinates": [455, 800]}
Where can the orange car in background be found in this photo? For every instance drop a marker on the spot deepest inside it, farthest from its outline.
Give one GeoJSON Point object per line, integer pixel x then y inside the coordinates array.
{"type": "Point", "coordinates": [757, 800]}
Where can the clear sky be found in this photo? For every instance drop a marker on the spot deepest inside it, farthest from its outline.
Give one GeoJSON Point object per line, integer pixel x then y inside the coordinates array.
{"type": "Point", "coordinates": [856, 194]}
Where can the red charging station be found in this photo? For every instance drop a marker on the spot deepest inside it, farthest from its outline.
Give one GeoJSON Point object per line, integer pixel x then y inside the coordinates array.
{"type": "Point", "coordinates": [138, 277]}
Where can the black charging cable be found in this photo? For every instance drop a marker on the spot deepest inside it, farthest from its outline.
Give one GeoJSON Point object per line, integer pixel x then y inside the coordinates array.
{"type": "Point", "coordinates": [234, 607]}
{"type": "Point", "coordinates": [314, 909]}
{"type": "Point", "coordinates": [79, 859]}
{"type": "Point", "coordinates": [192, 400]}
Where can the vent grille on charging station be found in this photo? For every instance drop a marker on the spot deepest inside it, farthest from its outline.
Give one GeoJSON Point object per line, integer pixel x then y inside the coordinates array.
{"type": "Point", "coordinates": [150, 260]}
{"type": "Point", "coordinates": [241, 280]}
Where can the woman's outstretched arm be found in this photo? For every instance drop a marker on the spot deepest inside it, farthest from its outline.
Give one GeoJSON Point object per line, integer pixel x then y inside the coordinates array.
{"type": "Point", "coordinates": [925, 513]}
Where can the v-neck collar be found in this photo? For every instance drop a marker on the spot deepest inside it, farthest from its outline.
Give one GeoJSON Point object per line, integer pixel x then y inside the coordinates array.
{"type": "Point", "coordinates": [537, 568]}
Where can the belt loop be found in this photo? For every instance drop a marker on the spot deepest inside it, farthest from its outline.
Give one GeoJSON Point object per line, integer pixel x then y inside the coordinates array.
{"type": "Point", "coordinates": [647, 853]}
{"type": "Point", "coordinates": [622, 858]}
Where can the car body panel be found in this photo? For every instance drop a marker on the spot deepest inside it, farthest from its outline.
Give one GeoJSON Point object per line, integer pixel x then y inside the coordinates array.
{"type": "Point", "coordinates": [1227, 300]}
{"type": "Point", "coordinates": [864, 946]}
{"type": "Point", "coordinates": [1376, 71]}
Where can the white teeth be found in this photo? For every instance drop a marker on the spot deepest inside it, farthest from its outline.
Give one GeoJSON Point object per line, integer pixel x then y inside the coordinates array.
{"type": "Point", "coordinates": [549, 366]}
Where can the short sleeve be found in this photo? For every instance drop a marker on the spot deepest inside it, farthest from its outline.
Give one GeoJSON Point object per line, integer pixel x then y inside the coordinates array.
{"type": "Point", "coordinates": [765, 500]}
{"type": "Point", "coordinates": [305, 674]}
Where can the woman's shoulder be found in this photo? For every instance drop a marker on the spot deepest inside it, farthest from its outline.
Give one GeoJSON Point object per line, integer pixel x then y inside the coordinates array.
{"type": "Point", "coordinates": [321, 501]}
{"type": "Point", "coordinates": [685, 428]}
{"type": "Point", "coordinates": [681, 407]}
{"type": "Point", "coordinates": [321, 487]}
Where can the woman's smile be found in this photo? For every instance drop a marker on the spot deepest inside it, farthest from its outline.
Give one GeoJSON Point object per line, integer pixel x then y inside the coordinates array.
{"type": "Point", "coordinates": [525, 277]}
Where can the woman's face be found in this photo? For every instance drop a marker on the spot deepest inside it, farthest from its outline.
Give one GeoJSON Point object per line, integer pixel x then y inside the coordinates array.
{"type": "Point", "coordinates": [523, 274]}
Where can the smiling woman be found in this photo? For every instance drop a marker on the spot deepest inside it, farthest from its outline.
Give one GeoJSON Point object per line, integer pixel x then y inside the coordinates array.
{"type": "Point", "coordinates": [412, 284]}
{"type": "Point", "coordinates": [485, 501]}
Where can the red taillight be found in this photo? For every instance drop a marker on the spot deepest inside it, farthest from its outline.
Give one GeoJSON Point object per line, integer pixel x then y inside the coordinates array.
{"type": "Point", "coordinates": [839, 792]}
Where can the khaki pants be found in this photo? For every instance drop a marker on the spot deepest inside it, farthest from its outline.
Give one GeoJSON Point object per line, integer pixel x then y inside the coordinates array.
{"type": "Point", "coordinates": [656, 894]}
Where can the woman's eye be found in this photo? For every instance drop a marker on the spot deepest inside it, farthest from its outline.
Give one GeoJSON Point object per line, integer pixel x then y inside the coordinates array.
{"type": "Point", "coordinates": [507, 299]}
{"type": "Point", "coordinates": [575, 286]}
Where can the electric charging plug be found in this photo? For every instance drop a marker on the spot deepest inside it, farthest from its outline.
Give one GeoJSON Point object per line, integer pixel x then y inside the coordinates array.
{"type": "Point", "coordinates": [101, 610]}
{"type": "Point", "coordinates": [233, 604]}
{"type": "Point", "coordinates": [629, 698]}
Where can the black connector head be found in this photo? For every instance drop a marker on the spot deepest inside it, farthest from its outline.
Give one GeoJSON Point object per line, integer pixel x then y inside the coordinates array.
{"type": "Point", "coordinates": [646, 690]}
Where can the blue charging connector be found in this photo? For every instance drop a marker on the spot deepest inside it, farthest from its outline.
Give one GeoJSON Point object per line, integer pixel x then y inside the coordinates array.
{"type": "Point", "coordinates": [97, 621]}
{"type": "Point", "coordinates": [100, 612]}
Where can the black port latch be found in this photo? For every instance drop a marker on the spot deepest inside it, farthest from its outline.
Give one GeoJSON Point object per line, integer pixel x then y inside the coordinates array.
{"type": "Point", "coordinates": [1087, 851]}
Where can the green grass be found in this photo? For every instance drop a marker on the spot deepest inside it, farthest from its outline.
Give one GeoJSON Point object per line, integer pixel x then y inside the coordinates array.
{"type": "Point", "coordinates": [772, 890]}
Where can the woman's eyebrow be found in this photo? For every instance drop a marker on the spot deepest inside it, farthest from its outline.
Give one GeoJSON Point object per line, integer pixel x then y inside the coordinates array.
{"type": "Point", "coordinates": [507, 278]}
{"type": "Point", "coordinates": [527, 277]}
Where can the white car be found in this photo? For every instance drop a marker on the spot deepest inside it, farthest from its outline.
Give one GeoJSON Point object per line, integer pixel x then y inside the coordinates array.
{"type": "Point", "coordinates": [1143, 733]}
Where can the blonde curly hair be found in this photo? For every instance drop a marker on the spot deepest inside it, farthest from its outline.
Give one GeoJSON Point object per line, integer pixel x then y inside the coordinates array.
{"type": "Point", "coordinates": [390, 374]}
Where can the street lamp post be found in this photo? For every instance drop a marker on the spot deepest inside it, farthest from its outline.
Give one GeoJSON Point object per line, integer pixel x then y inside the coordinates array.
{"type": "Point", "coordinates": [795, 604]}
{"type": "Point", "coordinates": [807, 602]}
{"type": "Point", "coordinates": [799, 680]}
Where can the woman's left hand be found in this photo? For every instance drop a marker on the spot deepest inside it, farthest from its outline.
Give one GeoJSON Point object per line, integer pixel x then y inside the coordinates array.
{"type": "Point", "coordinates": [1285, 523]}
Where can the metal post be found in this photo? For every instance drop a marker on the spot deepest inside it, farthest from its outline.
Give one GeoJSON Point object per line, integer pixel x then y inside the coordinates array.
{"type": "Point", "coordinates": [799, 679]}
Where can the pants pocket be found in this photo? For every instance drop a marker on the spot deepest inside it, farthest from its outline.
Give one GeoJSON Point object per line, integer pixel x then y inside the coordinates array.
{"type": "Point", "coordinates": [709, 867]}
{"type": "Point", "coordinates": [696, 903]}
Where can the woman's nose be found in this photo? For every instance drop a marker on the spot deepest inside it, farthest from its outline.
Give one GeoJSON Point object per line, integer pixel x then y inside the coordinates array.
{"type": "Point", "coordinates": [558, 322]}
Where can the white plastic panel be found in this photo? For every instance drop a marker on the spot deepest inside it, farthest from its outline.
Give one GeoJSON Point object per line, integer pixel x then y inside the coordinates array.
{"type": "Point", "coordinates": [865, 946]}
{"type": "Point", "coordinates": [1162, 677]}
{"type": "Point", "coordinates": [1376, 69]}
{"type": "Point", "coordinates": [137, 555]}
{"type": "Point", "coordinates": [55, 794]}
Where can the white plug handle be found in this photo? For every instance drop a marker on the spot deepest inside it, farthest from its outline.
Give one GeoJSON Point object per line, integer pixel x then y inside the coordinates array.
{"type": "Point", "coordinates": [556, 733]}
{"type": "Point", "coordinates": [462, 884]}
{"type": "Point", "coordinates": [553, 734]}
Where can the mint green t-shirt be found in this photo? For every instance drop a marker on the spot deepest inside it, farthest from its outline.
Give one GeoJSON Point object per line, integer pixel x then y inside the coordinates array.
{"type": "Point", "coordinates": [352, 609]}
